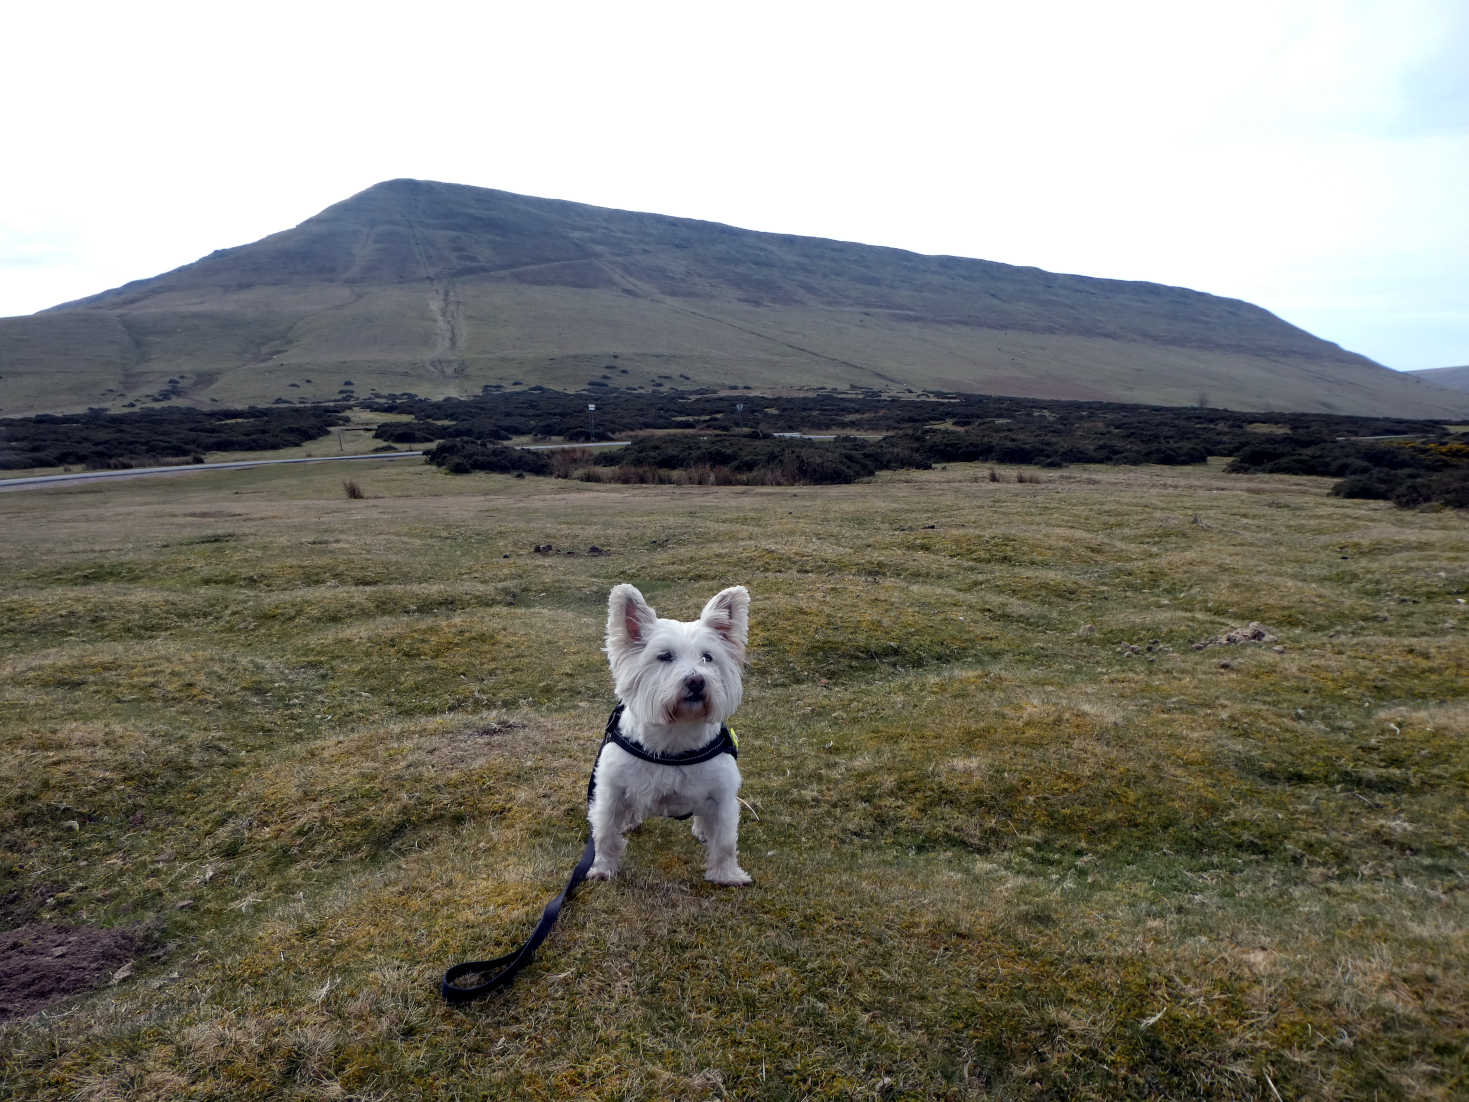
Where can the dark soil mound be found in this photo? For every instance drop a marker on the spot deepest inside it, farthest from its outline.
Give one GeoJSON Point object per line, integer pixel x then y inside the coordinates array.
{"type": "Point", "coordinates": [41, 963]}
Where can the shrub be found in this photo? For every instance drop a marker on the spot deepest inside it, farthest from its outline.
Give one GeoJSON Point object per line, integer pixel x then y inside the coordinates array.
{"type": "Point", "coordinates": [410, 432]}
{"type": "Point", "coordinates": [463, 456]}
{"type": "Point", "coordinates": [142, 437]}
{"type": "Point", "coordinates": [1370, 486]}
{"type": "Point", "coordinates": [1408, 489]}
{"type": "Point", "coordinates": [727, 460]}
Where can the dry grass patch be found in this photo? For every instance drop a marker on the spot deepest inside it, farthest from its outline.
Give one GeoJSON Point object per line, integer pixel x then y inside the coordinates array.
{"type": "Point", "coordinates": [1013, 837]}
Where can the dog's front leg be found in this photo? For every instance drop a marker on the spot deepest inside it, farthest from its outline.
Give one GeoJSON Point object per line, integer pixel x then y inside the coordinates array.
{"type": "Point", "coordinates": [608, 836]}
{"type": "Point", "coordinates": [721, 830]}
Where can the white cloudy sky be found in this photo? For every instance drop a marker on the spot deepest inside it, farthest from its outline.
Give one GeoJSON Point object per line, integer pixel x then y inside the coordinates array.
{"type": "Point", "coordinates": [1311, 156]}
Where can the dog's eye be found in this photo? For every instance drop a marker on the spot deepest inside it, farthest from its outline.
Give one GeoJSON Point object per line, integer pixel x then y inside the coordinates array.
{"type": "Point", "coordinates": [665, 656]}
{"type": "Point", "coordinates": [707, 657]}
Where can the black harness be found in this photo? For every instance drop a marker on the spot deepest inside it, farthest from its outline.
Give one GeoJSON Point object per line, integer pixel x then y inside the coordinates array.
{"type": "Point", "coordinates": [723, 743]}
{"type": "Point", "coordinates": [502, 969]}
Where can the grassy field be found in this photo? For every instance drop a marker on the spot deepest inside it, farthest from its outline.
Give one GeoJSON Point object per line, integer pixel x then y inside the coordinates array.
{"type": "Point", "coordinates": [1022, 825]}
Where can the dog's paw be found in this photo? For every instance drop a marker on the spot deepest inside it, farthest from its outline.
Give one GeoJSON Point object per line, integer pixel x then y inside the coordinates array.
{"type": "Point", "coordinates": [729, 875]}
{"type": "Point", "coordinates": [600, 871]}
{"type": "Point", "coordinates": [700, 834]}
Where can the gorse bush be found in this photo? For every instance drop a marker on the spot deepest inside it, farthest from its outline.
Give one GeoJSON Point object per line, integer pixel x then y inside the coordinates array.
{"type": "Point", "coordinates": [415, 432]}
{"type": "Point", "coordinates": [1332, 459]}
{"type": "Point", "coordinates": [930, 430]}
{"type": "Point", "coordinates": [702, 435]}
{"type": "Point", "coordinates": [464, 456]}
{"type": "Point", "coordinates": [726, 460]}
{"type": "Point", "coordinates": [1094, 432]}
{"type": "Point", "coordinates": [1408, 489]}
{"type": "Point", "coordinates": [103, 440]}
{"type": "Point", "coordinates": [1053, 445]}
{"type": "Point", "coordinates": [1406, 472]}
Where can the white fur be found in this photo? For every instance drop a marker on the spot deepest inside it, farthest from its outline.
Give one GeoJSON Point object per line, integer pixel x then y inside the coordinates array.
{"type": "Point", "coordinates": [678, 681]}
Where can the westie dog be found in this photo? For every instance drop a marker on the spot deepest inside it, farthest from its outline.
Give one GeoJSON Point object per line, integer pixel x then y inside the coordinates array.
{"type": "Point", "coordinates": [667, 750]}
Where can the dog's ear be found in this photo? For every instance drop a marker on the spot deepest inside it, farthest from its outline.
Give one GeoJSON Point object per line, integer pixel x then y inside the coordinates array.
{"type": "Point", "coordinates": [728, 615]}
{"type": "Point", "coordinates": [629, 620]}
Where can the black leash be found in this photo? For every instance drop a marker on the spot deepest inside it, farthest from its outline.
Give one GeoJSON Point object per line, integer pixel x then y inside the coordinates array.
{"type": "Point", "coordinates": [505, 967]}
{"type": "Point", "coordinates": [502, 969]}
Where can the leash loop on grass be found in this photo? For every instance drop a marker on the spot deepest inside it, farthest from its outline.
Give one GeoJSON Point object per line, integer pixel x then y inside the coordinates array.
{"type": "Point", "coordinates": [502, 969]}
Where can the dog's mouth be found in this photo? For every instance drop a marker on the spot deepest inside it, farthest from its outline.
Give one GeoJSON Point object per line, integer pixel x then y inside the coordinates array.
{"type": "Point", "coordinates": [695, 693]}
{"type": "Point", "coordinates": [689, 705]}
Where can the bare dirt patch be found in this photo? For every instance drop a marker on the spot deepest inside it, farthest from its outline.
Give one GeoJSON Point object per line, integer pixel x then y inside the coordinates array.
{"type": "Point", "coordinates": [42, 963]}
{"type": "Point", "coordinates": [472, 744]}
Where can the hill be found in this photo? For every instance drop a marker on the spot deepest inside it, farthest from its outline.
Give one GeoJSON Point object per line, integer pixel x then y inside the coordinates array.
{"type": "Point", "coordinates": [441, 289]}
{"type": "Point", "coordinates": [1454, 378]}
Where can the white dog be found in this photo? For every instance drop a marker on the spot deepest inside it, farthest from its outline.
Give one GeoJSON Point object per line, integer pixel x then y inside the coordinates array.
{"type": "Point", "coordinates": [667, 751]}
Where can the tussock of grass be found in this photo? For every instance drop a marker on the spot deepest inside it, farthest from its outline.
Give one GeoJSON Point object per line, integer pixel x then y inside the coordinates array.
{"type": "Point", "coordinates": [1012, 835]}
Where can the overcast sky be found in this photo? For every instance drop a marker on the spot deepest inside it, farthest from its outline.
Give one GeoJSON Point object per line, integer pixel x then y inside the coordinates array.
{"type": "Point", "coordinates": [1310, 157]}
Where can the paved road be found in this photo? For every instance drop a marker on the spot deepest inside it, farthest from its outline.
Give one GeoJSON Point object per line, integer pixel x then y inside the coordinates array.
{"type": "Point", "coordinates": [37, 481]}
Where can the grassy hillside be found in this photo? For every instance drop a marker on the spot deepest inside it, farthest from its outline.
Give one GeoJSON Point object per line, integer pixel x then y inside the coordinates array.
{"type": "Point", "coordinates": [381, 344]}
{"type": "Point", "coordinates": [1455, 378]}
{"type": "Point", "coordinates": [440, 290]}
{"type": "Point", "coordinates": [1024, 822]}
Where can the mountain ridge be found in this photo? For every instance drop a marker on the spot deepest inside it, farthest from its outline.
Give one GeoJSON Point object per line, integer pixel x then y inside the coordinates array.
{"type": "Point", "coordinates": [1454, 378]}
{"type": "Point", "coordinates": [440, 289]}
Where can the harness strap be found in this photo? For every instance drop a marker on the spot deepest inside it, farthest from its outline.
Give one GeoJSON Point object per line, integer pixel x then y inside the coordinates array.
{"type": "Point", "coordinates": [723, 743]}
{"type": "Point", "coordinates": [502, 969]}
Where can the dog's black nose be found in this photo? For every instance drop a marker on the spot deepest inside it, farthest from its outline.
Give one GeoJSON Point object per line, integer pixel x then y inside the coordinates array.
{"type": "Point", "coordinates": [694, 685]}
